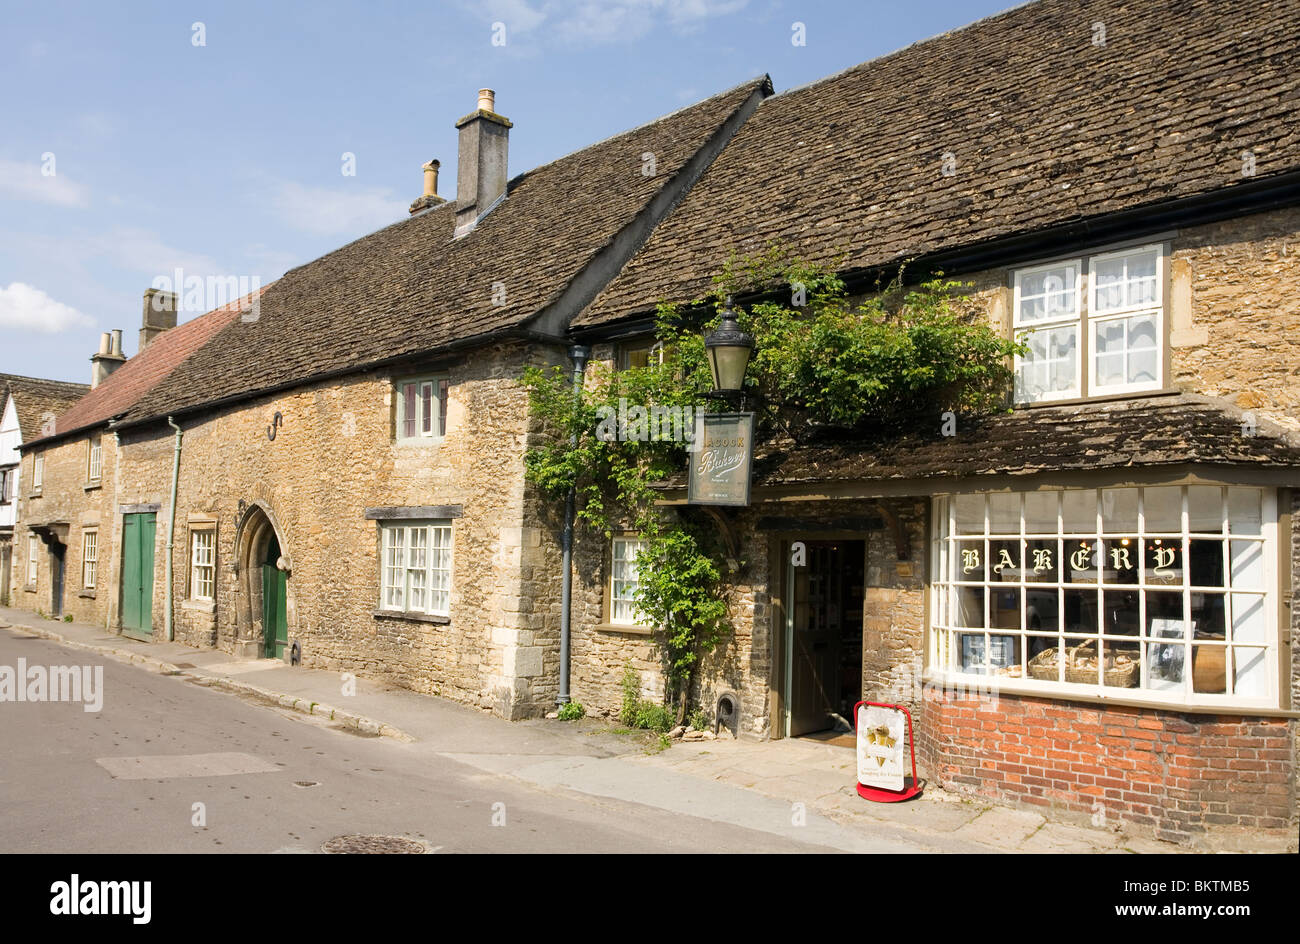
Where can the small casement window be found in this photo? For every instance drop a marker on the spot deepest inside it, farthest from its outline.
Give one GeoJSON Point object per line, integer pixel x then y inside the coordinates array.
{"type": "Point", "coordinates": [5, 479]}
{"type": "Point", "coordinates": [624, 580]}
{"type": "Point", "coordinates": [89, 558]}
{"type": "Point", "coordinates": [95, 462]}
{"type": "Point", "coordinates": [416, 567]}
{"type": "Point", "coordinates": [203, 557]}
{"type": "Point", "coordinates": [33, 555]}
{"type": "Point", "coordinates": [421, 409]}
{"type": "Point", "coordinates": [640, 353]}
{"type": "Point", "coordinates": [38, 471]}
{"type": "Point", "coordinates": [1090, 335]}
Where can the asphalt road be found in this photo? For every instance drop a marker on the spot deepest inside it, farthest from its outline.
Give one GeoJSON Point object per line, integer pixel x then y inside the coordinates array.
{"type": "Point", "coordinates": [66, 782]}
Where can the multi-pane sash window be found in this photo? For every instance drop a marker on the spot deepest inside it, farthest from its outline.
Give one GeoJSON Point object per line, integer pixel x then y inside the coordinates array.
{"type": "Point", "coordinates": [624, 581]}
{"type": "Point", "coordinates": [416, 567]}
{"type": "Point", "coordinates": [94, 465]}
{"type": "Point", "coordinates": [203, 550]}
{"type": "Point", "coordinates": [89, 558]}
{"type": "Point", "coordinates": [38, 471]}
{"type": "Point", "coordinates": [33, 550]}
{"type": "Point", "coordinates": [422, 409]}
{"type": "Point", "coordinates": [1165, 593]}
{"type": "Point", "coordinates": [1114, 326]}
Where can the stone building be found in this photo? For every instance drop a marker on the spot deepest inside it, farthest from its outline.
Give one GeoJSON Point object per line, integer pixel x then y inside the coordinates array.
{"type": "Point", "coordinates": [27, 405]}
{"type": "Point", "coordinates": [1087, 603]}
{"type": "Point", "coordinates": [70, 519]}
{"type": "Point", "coordinates": [337, 477]}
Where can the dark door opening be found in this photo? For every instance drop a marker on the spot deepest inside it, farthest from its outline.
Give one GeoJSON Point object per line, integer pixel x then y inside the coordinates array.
{"type": "Point", "coordinates": [826, 601]}
{"type": "Point", "coordinates": [58, 553]}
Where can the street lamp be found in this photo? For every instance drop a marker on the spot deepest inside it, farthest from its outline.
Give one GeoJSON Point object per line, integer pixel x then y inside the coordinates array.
{"type": "Point", "coordinates": [728, 349]}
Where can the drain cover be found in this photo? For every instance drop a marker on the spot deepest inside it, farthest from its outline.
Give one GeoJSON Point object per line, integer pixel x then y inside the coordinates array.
{"type": "Point", "coordinates": [369, 845]}
{"type": "Point", "coordinates": [306, 783]}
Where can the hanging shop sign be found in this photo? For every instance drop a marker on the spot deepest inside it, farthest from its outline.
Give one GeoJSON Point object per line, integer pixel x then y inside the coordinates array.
{"type": "Point", "coordinates": [883, 732]}
{"type": "Point", "coordinates": [722, 460]}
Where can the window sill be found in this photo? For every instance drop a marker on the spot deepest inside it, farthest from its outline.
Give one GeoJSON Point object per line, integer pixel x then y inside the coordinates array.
{"type": "Point", "coordinates": [430, 442]}
{"type": "Point", "coordinates": [34, 494]}
{"type": "Point", "coordinates": [975, 686]}
{"type": "Point", "coordinates": [626, 628]}
{"type": "Point", "coordinates": [91, 486]}
{"type": "Point", "coordinates": [29, 589]}
{"type": "Point", "coordinates": [1099, 398]}
{"type": "Point", "coordinates": [86, 594]}
{"type": "Point", "coordinates": [200, 606]}
{"type": "Point", "coordinates": [412, 617]}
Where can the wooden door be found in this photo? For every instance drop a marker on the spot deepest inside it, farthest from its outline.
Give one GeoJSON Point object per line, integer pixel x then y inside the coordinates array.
{"type": "Point", "coordinates": [817, 606]}
{"type": "Point", "coordinates": [138, 533]}
{"type": "Point", "coordinates": [275, 591]}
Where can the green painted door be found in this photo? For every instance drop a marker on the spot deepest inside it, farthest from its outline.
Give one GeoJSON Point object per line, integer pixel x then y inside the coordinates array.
{"type": "Point", "coordinates": [137, 573]}
{"type": "Point", "coordinates": [275, 619]}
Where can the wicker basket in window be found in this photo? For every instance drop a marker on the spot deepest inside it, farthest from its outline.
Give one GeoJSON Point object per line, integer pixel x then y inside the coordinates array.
{"type": "Point", "coordinates": [1081, 668]}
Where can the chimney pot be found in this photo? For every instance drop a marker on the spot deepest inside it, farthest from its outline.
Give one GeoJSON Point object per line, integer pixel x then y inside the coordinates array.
{"type": "Point", "coordinates": [487, 100]}
{"type": "Point", "coordinates": [105, 343]}
{"type": "Point", "coordinates": [431, 178]}
{"type": "Point", "coordinates": [108, 358]}
{"type": "Point", "coordinates": [116, 350]}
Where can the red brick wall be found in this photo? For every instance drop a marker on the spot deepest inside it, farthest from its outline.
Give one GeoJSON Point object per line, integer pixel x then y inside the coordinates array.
{"type": "Point", "coordinates": [1179, 774]}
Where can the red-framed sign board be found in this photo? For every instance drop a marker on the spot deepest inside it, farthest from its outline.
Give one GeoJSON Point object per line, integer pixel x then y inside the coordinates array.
{"type": "Point", "coordinates": [882, 731]}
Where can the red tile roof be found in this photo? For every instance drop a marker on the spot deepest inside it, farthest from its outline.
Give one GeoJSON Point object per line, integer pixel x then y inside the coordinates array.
{"type": "Point", "coordinates": [146, 370]}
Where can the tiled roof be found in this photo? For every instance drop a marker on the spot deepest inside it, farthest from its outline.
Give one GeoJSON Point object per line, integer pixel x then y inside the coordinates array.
{"type": "Point", "coordinates": [409, 288]}
{"type": "Point", "coordinates": [1176, 429]}
{"type": "Point", "coordinates": [36, 399]}
{"type": "Point", "coordinates": [123, 388]}
{"type": "Point", "coordinates": [1044, 126]}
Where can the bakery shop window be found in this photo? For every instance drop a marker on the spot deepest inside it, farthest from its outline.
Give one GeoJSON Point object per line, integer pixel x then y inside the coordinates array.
{"type": "Point", "coordinates": [1163, 593]}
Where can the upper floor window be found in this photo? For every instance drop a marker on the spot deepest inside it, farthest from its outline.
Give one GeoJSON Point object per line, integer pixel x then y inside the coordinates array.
{"type": "Point", "coordinates": [38, 471]}
{"type": "Point", "coordinates": [95, 461]}
{"type": "Point", "coordinates": [415, 572]}
{"type": "Point", "coordinates": [6, 485]}
{"type": "Point", "coordinates": [422, 408]}
{"type": "Point", "coordinates": [641, 352]}
{"type": "Point", "coordinates": [624, 581]}
{"type": "Point", "coordinates": [1093, 325]}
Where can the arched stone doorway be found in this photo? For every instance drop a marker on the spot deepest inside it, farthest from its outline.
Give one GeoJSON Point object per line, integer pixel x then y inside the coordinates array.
{"type": "Point", "coordinates": [263, 611]}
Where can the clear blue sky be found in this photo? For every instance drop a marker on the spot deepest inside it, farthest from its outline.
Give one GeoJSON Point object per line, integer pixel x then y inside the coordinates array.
{"type": "Point", "coordinates": [226, 159]}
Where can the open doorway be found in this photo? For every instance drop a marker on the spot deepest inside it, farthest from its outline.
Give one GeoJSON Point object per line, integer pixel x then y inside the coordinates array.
{"type": "Point", "coordinates": [824, 637]}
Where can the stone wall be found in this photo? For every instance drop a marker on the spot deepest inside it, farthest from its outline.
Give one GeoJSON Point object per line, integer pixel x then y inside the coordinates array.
{"type": "Point", "coordinates": [333, 456]}
{"type": "Point", "coordinates": [74, 505]}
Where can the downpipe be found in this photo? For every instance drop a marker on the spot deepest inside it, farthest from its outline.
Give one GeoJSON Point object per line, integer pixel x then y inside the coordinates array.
{"type": "Point", "coordinates": [579, 354]}
{"type": "Point", "coordinates": [171, 530]}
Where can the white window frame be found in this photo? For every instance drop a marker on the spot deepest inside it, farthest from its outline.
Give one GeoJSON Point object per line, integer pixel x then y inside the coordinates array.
{"type": "Point", "coordinates": [95, 460]}
{"type": "Point", "coordinates": [89, 557]}
{"type": "Point", "coordinates": [1086, 319]}
{"type": "Point", "coordinates": [33, 559]}
{"type": "Point", "coordinates": [946, 628]}
{"type": "Point", "coordinates": [1157, 311]}
{"type": "Point", "coordinates": [625, 601]}
{"type": "Point", "coordinates": [1074, 320]}
{"type": "Point", "coordinates": [416, 583]}
{"type": "Point", "coordinates": [203, 564]}
{"type": "Point", "coordinates": [38, 470]}
{"type": "Point", "coordinates": [430, 416]}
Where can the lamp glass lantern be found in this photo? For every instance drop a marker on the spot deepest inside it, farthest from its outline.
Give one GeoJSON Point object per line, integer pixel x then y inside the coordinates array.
{"type": "Point", "coordinates": [728, 349]}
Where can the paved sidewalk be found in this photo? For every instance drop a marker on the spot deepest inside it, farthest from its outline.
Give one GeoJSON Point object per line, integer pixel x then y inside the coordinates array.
{"type": "Point", "coordinates": [801, 789]}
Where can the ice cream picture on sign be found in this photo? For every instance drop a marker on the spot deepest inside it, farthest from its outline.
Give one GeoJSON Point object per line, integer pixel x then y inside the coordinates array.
{"type": "Point", "coordinates": [881, 740]}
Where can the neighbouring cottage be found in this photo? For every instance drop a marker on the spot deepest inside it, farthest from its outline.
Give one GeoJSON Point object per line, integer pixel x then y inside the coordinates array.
{"type": "Point", "coordinates": [28, 408]}
{"type": "Point", "coordinates": [1087, 603]}
{"type": "Point", "coordinates": [338, 475]}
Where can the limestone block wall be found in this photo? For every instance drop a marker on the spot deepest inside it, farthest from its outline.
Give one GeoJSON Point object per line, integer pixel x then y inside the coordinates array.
{"type": "Point", "coordinates": [333, 456]}
{"type": "Point", "coordinates": [77, 505]}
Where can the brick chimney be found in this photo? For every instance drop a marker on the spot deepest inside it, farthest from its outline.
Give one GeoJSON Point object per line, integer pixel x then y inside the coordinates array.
{"type": "Point", "coordinates": [108, 358]}
{"type": "Point", "coordinates": [481, 175]}
{"type": "Point", "coordinates": [159, 315]}
{"type": "Point", "coordinates": [430, 196]}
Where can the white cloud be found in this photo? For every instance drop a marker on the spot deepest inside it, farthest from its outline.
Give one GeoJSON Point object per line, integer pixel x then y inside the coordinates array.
{"type": "Point", "coordinates": [605, 21]}
{"type": "Point", "coordinates": [25, 307]}
{"type": "Point", "coordinates": [23, 180]}
{"type": "Point", "coordinates": [327, 212]}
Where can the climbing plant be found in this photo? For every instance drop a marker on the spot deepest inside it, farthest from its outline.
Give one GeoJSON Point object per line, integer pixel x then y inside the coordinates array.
{"type": "Point", "coordinates": [823, 364]}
